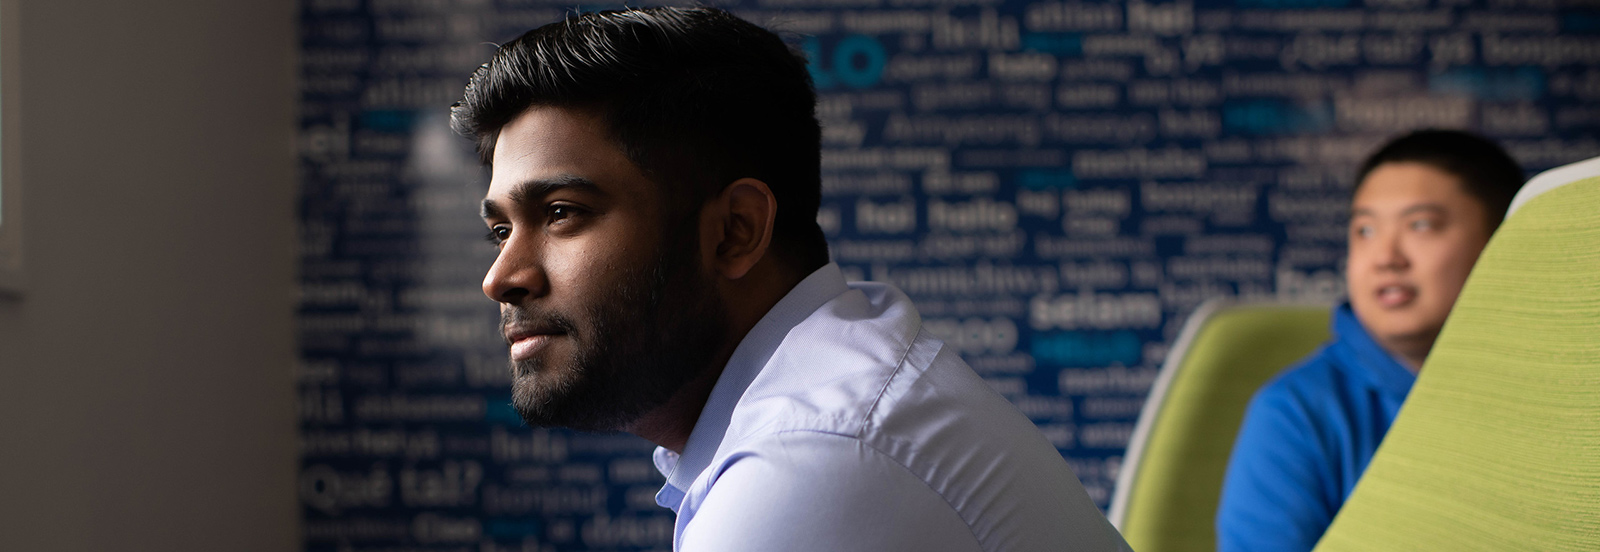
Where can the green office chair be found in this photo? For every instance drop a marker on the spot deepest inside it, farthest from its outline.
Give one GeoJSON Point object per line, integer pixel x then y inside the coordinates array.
{"type": "Point", "coordinates": [1498, 445]}
{"type": "Point", "coordinates": [1171, 479]}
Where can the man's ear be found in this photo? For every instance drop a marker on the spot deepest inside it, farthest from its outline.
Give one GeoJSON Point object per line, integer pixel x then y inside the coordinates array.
{"type": "Point", "coordinates": [743, 215]}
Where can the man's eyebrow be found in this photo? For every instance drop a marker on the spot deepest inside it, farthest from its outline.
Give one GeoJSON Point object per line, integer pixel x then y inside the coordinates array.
{"type": "Point", "coordinates": [532, 190]}
{"type": "Point", "coordinates": [1429, 207]}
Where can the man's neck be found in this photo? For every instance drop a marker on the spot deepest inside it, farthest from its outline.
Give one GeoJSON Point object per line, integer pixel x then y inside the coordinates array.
{"type": "Point", "coordinates": [1411, 352]}
{"type": "Point", "coordinates": [670, 424]}
{"type": "Point", "coordinates": [747, 301]}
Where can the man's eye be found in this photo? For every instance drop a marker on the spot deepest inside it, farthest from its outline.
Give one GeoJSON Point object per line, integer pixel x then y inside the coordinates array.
{"type": "Point", "coordinates": [1363, 231]}
{"type": "Point", "coordinates": [559, 212]}
{"type": "Point", "coordinates": [498, 235]}
{"type": "Point", "coordinates": [1422, 225]}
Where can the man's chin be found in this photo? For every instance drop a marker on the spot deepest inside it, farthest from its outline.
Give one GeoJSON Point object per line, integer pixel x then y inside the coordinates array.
{"type": "Point", "coordinates": [541, 397]}
{"type": "Point", "coordinates": [1407, 336]}
{"type": "Point", "coordinates": [577, 403]}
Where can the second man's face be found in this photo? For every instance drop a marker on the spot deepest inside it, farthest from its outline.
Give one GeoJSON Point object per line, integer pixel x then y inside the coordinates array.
{"type": "Point", "coordinates": [1414, 235]}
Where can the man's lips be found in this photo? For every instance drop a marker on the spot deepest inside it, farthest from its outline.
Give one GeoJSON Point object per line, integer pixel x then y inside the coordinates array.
{"type": "Point", "coordinates": [526, 343]}
{"type": "Point", "coordinates": [1396, 295]}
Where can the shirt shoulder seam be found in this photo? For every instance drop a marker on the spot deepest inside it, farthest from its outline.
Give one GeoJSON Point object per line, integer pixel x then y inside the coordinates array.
{"type": "Point", "coordinates": [899, 369]}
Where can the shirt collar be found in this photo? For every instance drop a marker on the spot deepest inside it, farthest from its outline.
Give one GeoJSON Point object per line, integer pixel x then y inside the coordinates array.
{"type": "Point", "coordinates": [748, 358]}
{"type": "Point", "coordinates": [1364, 355]}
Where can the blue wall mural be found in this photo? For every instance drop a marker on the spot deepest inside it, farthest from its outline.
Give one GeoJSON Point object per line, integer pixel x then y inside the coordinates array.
{"type": "Point", "coordinates": [1056, 183]}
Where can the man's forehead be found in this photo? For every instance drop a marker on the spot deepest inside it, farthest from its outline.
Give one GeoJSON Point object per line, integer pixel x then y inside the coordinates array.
{"type": "Point", "coordinates": [1411, 182]}
{"type": "Point", "coordinates": [542, 128]}
{"type": "Point", "coordinates": [547, 149]}
{"type": "Point", "coordinates": [548, 142]}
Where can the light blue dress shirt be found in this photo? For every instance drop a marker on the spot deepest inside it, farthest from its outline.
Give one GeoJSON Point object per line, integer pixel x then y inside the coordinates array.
{"type": "Point", "coordinates": [840, 425]}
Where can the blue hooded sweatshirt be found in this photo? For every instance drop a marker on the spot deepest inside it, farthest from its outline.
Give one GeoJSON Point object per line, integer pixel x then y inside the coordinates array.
{"type": "Point", "coordinates": [1307, 437]}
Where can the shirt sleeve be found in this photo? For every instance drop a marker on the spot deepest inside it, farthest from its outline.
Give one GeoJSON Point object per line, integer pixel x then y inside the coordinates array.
{"type": "Point", "coordinates": [808, 491]}
{"type": "Point", "coordinates": [1275, 496]}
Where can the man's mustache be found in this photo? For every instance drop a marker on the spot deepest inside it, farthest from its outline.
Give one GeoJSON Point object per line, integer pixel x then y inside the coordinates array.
{"type": "Point", "coordinates": [516, 320]}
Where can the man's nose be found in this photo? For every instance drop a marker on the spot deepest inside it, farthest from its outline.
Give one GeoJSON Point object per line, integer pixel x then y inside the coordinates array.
{"type": "Point", "coordinates": [1391, 252]}
{"type": "Point", "coordinates": [515, 275]}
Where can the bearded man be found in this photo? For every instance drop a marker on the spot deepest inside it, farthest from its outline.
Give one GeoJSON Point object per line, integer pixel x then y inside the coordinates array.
{"type": "Point", "coordinates": [654, 193]}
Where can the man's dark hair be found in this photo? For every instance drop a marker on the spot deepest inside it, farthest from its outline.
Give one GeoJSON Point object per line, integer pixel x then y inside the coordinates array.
{"type": "Point", "coordinates": [695, 97]}
{"type": "Point", "coordinates": [1486, 172]}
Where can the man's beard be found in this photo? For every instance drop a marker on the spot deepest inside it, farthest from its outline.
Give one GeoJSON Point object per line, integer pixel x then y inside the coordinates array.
{"type": "Point", "coordinates": [654, 334]}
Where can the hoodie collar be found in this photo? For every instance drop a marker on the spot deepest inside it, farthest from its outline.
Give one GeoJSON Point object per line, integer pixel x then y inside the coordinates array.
{"type": "Point", "coordinates": [1362, 355]}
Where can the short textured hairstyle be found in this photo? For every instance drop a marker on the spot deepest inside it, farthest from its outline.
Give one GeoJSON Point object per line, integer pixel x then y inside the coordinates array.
{"type": "Point", "coordinates": [695, 97]}
{"type": "Point", "coordinates": [1486, 172]}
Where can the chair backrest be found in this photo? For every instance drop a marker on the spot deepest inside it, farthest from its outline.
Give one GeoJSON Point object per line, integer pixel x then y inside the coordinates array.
{"type": "Point", "coordinates": [1171, 478]}
{"type": "Point", "coordinates": [1498, 445]}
